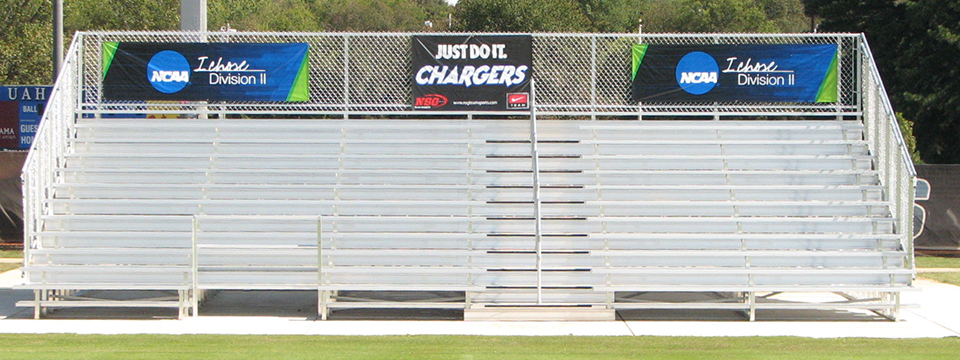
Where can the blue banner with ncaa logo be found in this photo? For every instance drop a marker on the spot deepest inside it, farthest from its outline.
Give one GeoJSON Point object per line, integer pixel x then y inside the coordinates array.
{"type": "Point", "coordinates": [206, 71]}
{"type": "Point", "coordinates": [794, 73]}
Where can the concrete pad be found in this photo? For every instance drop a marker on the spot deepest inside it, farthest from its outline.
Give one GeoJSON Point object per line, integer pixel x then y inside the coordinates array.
{"type": "Point", "coordinates": [822, 329]}
{"type": "Point", "coordinates": [939, 305]}
{"type": "Point", "coordinates": [612, 328]}
{"type": "Point", "coordinates": [539, 314]}
{"type": "Point", "coordinates": [11, 278]}
{"type": "Point", "coordinates": [8, 308]}
{"type": "Point", "coordinates": [293, 313]}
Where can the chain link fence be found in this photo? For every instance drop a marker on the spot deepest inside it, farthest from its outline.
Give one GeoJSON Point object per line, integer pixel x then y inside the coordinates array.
{"type": "Point", "coordinates": [574, 74]}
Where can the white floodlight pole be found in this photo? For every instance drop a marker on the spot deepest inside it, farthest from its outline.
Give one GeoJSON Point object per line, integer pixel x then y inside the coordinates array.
{"type": "Point", "coordinates": [193, 15]}
{"type": "Point", "coordinates": [57, 38]}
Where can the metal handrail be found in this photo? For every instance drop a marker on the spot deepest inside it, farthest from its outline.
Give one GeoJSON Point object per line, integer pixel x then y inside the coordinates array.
{"type": "Point", "coordinates": [895, 165]}
{"type": "Point", "coordinates": [50, 145]}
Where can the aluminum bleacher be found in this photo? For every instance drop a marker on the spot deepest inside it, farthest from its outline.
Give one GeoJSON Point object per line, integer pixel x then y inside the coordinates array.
{"type": "Point", "coordinates": [562, 212]}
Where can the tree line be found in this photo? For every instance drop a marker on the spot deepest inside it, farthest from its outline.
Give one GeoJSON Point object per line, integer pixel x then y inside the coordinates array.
{"type": "Point", "coordinates": [915, 42]}
{"type": "Point", "coordinates": [25, 25]}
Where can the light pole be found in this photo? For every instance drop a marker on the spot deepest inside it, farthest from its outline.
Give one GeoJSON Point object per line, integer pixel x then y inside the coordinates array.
{"type": "Point", "coordinates": [57, 38]}
{"type": "Point", "coordinates": [193, 15]}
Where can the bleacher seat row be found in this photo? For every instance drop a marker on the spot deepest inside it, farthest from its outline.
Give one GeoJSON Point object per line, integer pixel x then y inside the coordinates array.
{"type": "Point", "coordinates": [627, 208]}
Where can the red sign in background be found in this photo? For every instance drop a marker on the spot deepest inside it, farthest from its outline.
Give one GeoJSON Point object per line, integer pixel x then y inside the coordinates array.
{"type": "Point", "coordinates": [9, 124]}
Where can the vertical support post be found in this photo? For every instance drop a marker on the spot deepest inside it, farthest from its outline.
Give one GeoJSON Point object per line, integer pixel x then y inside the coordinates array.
{"type": "Point", "coordinates": [73, 71]}
{"type": "Point", "coordinates": [858, 86]}
{"type": "Point", "coordinates": [912, 190]}
{"type": "Point", "coordinates": [467, 295]}
{"type": "Point", "coordinates": [36, 304]}
{"type": "Point", "coordinates": [535, 163]}
{"type": "Point", "coordinates": [181, 304]}
{"type": "Point", "coordinates": [900, 223]}
{"type": "Point", "coordinates": [640, 41]}
{"type": "Point", "coordinates": [322, 305]}
{"type": "Point", "coordinates": [195, 265]}
{"type": "Point", "coordinates": [896, 307]}
{"type": "Point", "coordinates": [593, 75]}
{"type": "Point", "coordinates": [28, 216]}
{"type": "Point", "coordinates": [346, 77]}
{"type": "Point", "coordinates": [887, 159]}
{"type": "Point", "coordinates": [839, 103]}
{"type": "Point", "coordinates": [40, 296]}
{"type": "Point", "coordinates": [321, 294]}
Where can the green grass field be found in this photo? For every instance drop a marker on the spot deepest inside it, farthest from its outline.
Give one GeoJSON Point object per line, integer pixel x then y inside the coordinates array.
{"type": "Point", "coordinates": [4, 267]}
{"type": "Point", "coordinates": [952, 278]}
{"type": "Point", "coordinates": [937, 262]}
{"type": "Point", "coordinates": [11, 253]}
{"type": "Point", "coordinates": [8, 254]}
{"type": "Point", "coordinates": [59, 347]}
{"type": "Point", "coordinates": [932, 262]}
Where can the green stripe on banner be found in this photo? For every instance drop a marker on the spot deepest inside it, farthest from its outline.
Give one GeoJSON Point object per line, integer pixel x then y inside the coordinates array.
{"type": "Point", "coordinates": [109, 51]}
{"type": "Point", "coordinates": [300, 91]}
{"type": "Point", "coordinates": [639, 50]}
{"type": "Point", "coordinates": [828, 88]}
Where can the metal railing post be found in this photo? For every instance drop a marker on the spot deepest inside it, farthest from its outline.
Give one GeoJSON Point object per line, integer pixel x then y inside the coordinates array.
{"type": "Point", "coordinates": [28, 221]}
{"type": "Point", "coordinates": [195, 268]}
{"type": "Point", "coordinates": [346, 76]}
{"type": "Point", "coordinates": [321, 294]}
{"type": "Point", "coordinates": [535, 163]}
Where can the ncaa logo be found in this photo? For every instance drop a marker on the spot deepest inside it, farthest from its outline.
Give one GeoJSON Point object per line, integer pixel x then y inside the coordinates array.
{"type": "Point", "coordinates": [697, 73]}
{"type": "Point", "coordinates": [168, 71]}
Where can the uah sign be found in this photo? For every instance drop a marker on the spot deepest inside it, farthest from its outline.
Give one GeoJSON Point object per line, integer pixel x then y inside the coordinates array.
{"type": "Point", "coordinates": [21, 108]}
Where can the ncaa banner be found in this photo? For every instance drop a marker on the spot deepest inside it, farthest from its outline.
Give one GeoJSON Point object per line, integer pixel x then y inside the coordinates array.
{"type": "Point", "coordinates": [206, 71]}
{"type": "Point", "coordinates": [796, 73]}
{"type": "Point", "coordinates": [472, 73]}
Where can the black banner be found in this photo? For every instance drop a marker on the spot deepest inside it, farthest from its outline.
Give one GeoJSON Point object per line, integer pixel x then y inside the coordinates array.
{"type": "Point", "coordinates": [472, 73]}
{"type": "Point", "coordinates": [9, 125]}
{"type": "Point", "coordinates": [942, 228]}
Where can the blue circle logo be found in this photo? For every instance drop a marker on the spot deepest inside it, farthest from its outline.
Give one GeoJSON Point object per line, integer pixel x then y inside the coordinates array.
{"type": "Point", "coordinates": [697, 73]}
{"type": "Point", "coordinates": [168, 71]}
